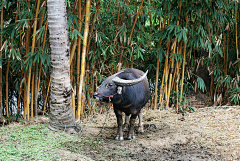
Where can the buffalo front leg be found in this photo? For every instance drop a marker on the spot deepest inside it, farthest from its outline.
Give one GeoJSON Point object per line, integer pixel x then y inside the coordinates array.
{"type": "Point", "coordinates": [131, 129]}
{"type": "Point", "coordinates": [118, 114]}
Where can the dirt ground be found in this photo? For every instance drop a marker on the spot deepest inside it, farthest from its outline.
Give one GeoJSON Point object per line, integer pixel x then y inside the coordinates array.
{"type": "Point", "coordinates": [208, 134]}
{"type": "Point", "coordinates": [211, 133]}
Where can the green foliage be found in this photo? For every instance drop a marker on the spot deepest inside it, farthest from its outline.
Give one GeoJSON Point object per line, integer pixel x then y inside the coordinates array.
{"type": "Point", "coordinates": [110, 41]}
{"type": "Point", "coordinates": [201, 84]}
{"type": "Point", "coordinates": [235, 97]}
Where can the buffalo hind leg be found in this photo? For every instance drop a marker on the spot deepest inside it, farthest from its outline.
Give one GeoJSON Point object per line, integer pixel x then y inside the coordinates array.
{"type": "Point", "coordinates": [131, 129]}
{"type": "Point", "coordinates": [118, 114]}
{"type": "Point", "coordinates": [126, 123]}
{"type": "Point", "coordinates": [140, 125]}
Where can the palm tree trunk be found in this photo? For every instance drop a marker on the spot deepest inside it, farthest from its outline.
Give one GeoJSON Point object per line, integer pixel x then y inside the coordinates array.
{"type": "Point", "coordinates": [61, 114]}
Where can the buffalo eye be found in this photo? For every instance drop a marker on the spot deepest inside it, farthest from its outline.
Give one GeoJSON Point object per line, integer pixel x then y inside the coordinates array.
{"type": "Point", "coordinates": [109, 85]}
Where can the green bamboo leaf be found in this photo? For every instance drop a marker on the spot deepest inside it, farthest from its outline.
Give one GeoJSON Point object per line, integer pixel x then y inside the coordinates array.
{"type": "Point", "coordinates": [201, 84]}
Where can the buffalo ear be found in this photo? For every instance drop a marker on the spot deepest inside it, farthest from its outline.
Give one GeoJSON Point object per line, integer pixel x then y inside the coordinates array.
{"type": "Point", "coordinates": [119, 90]}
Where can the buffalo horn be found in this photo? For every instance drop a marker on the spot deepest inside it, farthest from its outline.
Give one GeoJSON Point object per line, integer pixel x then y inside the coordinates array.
{"type": "Point", "coordinates": [123, 82]}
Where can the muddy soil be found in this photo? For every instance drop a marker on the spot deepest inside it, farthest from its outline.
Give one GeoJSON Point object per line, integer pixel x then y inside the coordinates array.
{"type": "Point", "coordinates": [208, 134]}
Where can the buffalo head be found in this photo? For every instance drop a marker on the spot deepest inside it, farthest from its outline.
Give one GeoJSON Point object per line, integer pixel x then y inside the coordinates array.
{"type": "Point", "coordinates": [111, 87]}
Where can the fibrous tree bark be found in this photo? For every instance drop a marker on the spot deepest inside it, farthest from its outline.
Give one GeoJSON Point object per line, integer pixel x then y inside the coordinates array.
{"type": "Point", "coordinates": [61, 115]}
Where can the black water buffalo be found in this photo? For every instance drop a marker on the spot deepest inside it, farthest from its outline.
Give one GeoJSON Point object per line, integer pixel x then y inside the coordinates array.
{"type": "Point", "coordinates": [128, 90]}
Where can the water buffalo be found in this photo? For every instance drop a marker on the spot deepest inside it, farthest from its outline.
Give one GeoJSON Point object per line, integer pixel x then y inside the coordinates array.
{"type": "Point", "coordinates": [129, 91]}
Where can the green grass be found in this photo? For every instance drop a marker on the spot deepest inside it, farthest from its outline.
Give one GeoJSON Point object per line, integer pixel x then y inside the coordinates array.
{"type": "Point", "coordinates": [35, 142]}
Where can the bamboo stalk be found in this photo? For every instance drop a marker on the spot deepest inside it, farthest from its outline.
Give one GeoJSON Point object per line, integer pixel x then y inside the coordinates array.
{"type": "Point", "coordinates": [93, 58]}
{"type": "Point", "coordinates": [32, 51]}
{"type": "Point", "coordinates": [72, 55]}
{"type": "Point", "coordinates": [133, 29]}
{"type": "Point", "coordinates": [136, 19]}
{"type": "Point", "coordinates": [211, 66]}
{"type": "Point", "coordinates": [25, 73]}
{"type": "Point", "coordinates": [178, 77]}
{"type": "Point", "coordinates": [224, 51]}
{"type": "Point", "coordinates": [87, 18]}
{"type": "Point", "coordinates": [43, 46]}
{"type": "Point", "coordinates": [7, 112]}
{"type": "Point", "coordinates": [8, 65]}
{"type": "Point", "coordinates": [80, 18]}
{"type": "Point", "coordinates": [32, 89]}
{"type": "Point", "coordinates": [167, 71]}
{"type": "Point", "coordinates": [156, 85]}
{"type": "Point", "coordinates": [43, 94]}
{"type": "Point", "coordinates": [71, 74]}
{"type": "Point", "coordinates": [183, 65]}
{"type": "Point", "coordinates": [37, 76]}
{"type": "Point", "coordinates": [236, 32]}
{"type": "Point", "coordinates": [172, 62]}
{"type": "Point", "coordinates": [19, 95]}
{"type": "Point", "coordinates": [119, 9]}
{"type": "Point", "coordinates": [1, 39]}
{"type": "Point", "coordinates": [49, 83]}
{"type": "Point", "coordinates": [88, 62]}
{"type": "Point", "coordinates": [157, 70]}
{"type": "Point", "coordinates": [92, 82]}
{"type": "Point", "coordinates": [166, 68]}
{"type": "Point", "coordinates": [227, 51]}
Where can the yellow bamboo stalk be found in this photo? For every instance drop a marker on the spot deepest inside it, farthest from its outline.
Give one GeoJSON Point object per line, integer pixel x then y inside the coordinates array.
{"type": "Point", "coordinates": [72, 55]}
{"type": "Point", "coordinates": [25, 73]}
{"type": "Point", "coordinates": [43, 46]}
{"type": "Point", "coordinates": [157, 70]}
{"type": "Point", "coordinates": [167, 66]}
{"type": "Point", "coordinates": [236, 32]}
{"type": "Point", "coordinates": [183, 65]}
{"type": "Point", "coordinates": [227, 51]}
{"type": "Point", "coordinates": [32, 51]}
{"type": "Point", "coordinates": [177, 75]}
{"type": "Point", "coordinates": [44, 106]}
{"type": "Point", "coordinates": [85, 37]}
{"type": "Point", "coordinates": [167, 69]}
{"type": "Point", "coordinates": [140, 8]}
{"type": "Point", "coordinates": [119, 8]}
{"type": "Point", "coordinates": [32, 88]}
{"type": "Point", "coordinates": [73, 50]}
{"type": "Point", "coordinates": [79, 50]}
{"type": "Point", "coordinates": [71, 74]}
{"type": "Point", "coordinates": [1, 39]}
{"type": "Point", "coordinates": [136, 19]}
{"type": "Point", "coordinates": [171, 74]}
{"type": "Point", "coordinates": [156, 84]}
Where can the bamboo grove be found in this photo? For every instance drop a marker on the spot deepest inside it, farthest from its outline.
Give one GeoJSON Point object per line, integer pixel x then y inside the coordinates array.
{"type": "Point", "coordinates": [171, 38]}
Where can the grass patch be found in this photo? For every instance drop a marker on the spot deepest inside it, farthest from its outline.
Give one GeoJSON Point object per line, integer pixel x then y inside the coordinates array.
{"type": "Point", "coordinates": [35, 142]}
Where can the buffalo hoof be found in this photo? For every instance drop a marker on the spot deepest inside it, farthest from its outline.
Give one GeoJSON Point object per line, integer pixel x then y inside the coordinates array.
{"type": "Point", "coordinates": [131, 137]}
{"type": "Point", "coordinates": [119, 138]}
